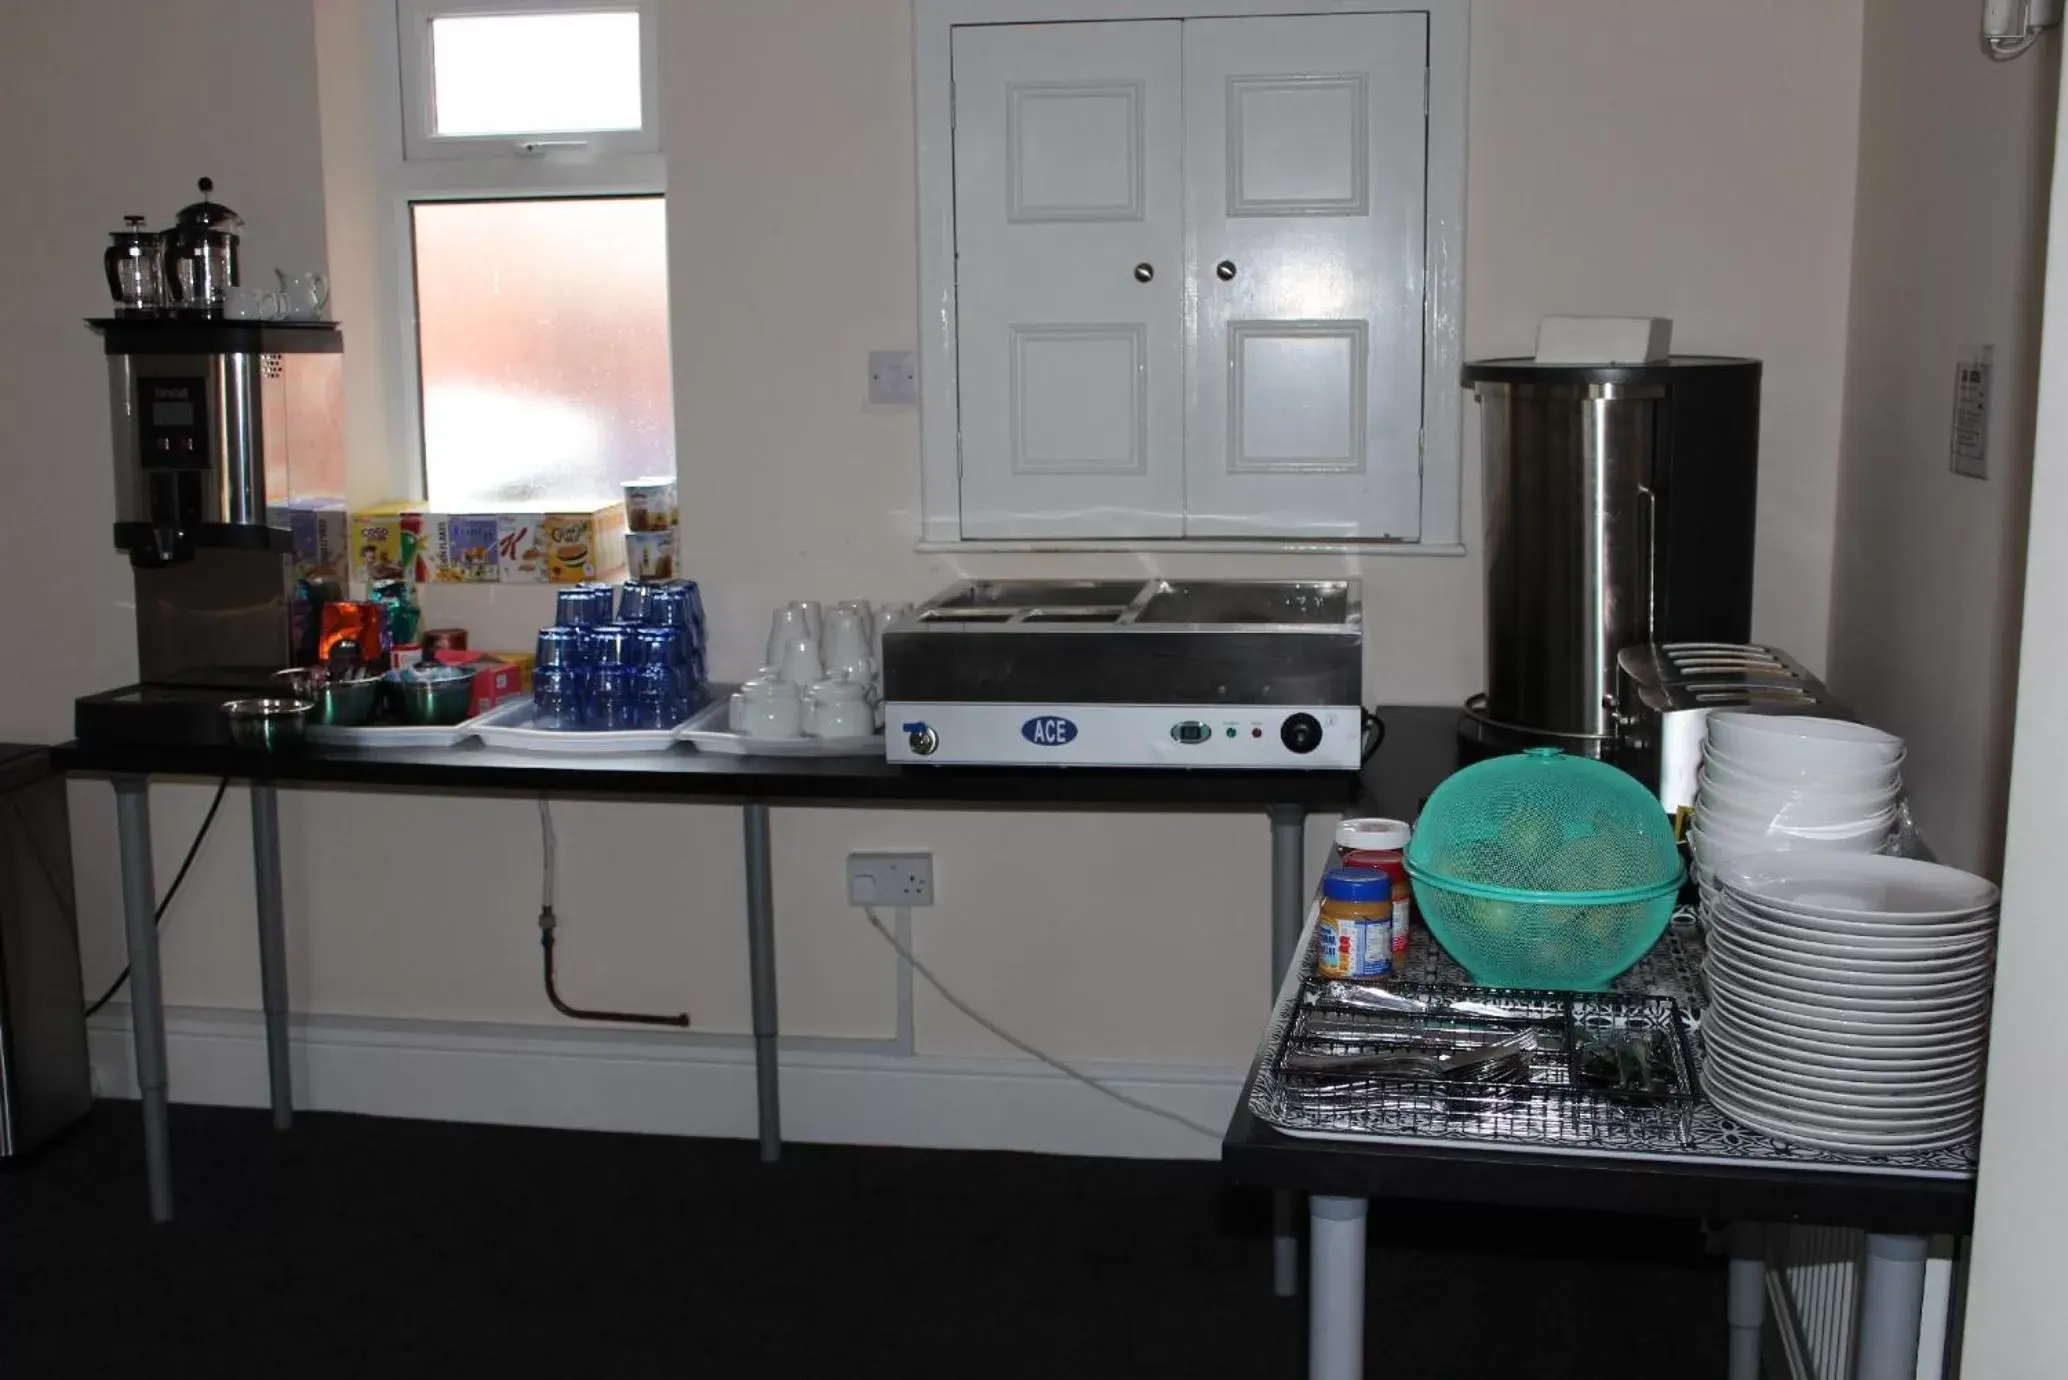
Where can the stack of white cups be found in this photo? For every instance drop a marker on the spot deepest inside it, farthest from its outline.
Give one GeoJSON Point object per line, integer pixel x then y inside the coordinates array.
{"type": "Point", "coordinates": [821, 676]}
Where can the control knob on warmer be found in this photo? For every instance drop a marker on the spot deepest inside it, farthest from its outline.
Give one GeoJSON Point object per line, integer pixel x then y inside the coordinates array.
{"type": "Point", "coordinates": [1300, 733]}
{"type": "Point", "coordinates": [922, 740]}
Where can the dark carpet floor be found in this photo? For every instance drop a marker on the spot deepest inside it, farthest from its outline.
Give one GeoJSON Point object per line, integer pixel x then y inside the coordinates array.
{"type": "Point", "coordinates": [354, 1246]}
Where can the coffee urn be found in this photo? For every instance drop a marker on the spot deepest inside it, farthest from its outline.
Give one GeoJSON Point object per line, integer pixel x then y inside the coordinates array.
{"type": "Point", "coordinates": [1620, 503]}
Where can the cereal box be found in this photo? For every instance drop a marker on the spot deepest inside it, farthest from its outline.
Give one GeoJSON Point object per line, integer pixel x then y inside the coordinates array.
{"type": "Point", "coordinates": [388, 543]}
{"type": "Point", "coordinates": [560, 548]}
{"type": "Point", "coordinates": [463, 547]}
{"type": "Point", "coordinates": [321, 528]}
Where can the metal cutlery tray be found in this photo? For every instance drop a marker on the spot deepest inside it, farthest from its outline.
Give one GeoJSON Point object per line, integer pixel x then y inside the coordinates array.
{"type": "Point", "coordinates": [1551, 1103]}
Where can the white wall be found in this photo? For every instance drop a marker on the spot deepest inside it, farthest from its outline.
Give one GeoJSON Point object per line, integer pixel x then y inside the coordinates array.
{"type": "Point", "coordinates": [1676, 156]}
{"type": "Point", "coordinates": [2016, 1327]}
{"type": "Point", "coordinates": [1954, 156]}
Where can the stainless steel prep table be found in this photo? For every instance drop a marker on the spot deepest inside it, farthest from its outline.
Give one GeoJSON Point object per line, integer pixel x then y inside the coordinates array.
{"type": "Point", "coordinates": [755, 784]}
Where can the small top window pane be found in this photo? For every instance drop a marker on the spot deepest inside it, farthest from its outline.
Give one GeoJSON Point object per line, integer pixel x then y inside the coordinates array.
{"type": "Point", "coordinates": [535, 73]}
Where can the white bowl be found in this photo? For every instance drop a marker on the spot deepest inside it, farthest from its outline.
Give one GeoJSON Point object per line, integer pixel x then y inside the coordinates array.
{"type": "Point", "coordinates": [1840, 1033]}
{"type": "Point", "coordinates": [1954, 1009]}
{"type": "Point", "coordinates": [1792, 810]}
{"type": "Point", "coordinates": [1869, 888]}
{"type": "Point", "coordinates": [1771, 774]}
{"type": "Point", "coordinates": [1933, 991]}
{"type": "Point", "coordinates": [1802, 754]}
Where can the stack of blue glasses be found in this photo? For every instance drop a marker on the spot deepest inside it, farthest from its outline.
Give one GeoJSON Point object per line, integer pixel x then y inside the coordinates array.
{"type": "Point", "coordinates": [644, 670]}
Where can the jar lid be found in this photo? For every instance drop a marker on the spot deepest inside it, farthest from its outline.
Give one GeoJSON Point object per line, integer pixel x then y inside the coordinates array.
{"type": "Point", "coordinates": [1357, 884]}
{"type": "Point", "coordinates": [206, 214]}
{"type": "Point", "coordinates": [1377, 834]}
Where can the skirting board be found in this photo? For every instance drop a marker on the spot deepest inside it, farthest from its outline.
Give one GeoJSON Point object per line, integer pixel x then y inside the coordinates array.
{"type": "Point", "coordinates": [620, 1080]}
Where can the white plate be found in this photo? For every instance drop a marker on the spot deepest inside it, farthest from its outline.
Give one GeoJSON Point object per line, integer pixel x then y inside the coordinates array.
{"type": "Point", "coordinates": [1963, 930]}
{"type": "Point", "coordinates": [1831, 1060]}
{"type": "Point", "coordinates": [1835, 1115]}
{"type": "Point", "coordinates": [706, 732]}
{"type": "Point", "coordinates": [1951, 1085]}
{"type": "Point", "coordinates": [1871, 888]}
{"type": "Point", "coordinates": [1917, 999]}
{"type": "Point", "coordinates": [1775, 930]}
{"type": "Point", "coordinates": [1856, 978]}
{"type": "Point", "coordinates": [1841, 1143]}
{"type": "Point", "coordinates": [1851, 1028]}
{"type": "Point", "coordinates": [509, 726]}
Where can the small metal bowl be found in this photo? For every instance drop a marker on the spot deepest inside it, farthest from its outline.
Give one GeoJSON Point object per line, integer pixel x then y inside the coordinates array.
{"type": "Point", "coordinates": [340, 702]}
{"type": "Point", "coordinates": [268, 725]}
{"type": "Point", "coordinates": [423, 699]}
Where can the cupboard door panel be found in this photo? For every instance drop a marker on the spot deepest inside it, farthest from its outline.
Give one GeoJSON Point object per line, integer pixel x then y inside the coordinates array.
{"type": "Point", "coordinates": [1305, 145]}
{"type": "Point", "coordinates": [1069, 278]}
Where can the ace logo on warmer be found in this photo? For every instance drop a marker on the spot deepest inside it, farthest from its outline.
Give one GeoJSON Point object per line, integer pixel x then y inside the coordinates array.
{"type": "Point", "coordinates": [1048, 730]}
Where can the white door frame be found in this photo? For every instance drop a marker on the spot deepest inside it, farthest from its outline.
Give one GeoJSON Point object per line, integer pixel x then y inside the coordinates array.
{"type": "Point", "coordinates": [1444, 236]}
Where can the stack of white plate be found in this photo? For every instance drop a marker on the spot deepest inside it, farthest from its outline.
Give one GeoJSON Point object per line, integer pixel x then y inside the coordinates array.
{"type": "Point", "coordinates": [1849, 999]}
{"type": "Point", "coordinates": [1786, 782]}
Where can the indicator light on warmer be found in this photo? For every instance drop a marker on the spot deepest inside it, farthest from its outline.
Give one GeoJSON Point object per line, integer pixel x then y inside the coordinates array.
{"type": "Point", "coordinates": [1231, 730]}
{"type": "Point", "coordinates": [1256, 733]}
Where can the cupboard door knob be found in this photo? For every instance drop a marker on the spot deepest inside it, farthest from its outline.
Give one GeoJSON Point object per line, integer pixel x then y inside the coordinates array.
{"type": "Point", "coordinates": [1144, 272]}
{"type": "Point", "coordinates": [1224, 270]}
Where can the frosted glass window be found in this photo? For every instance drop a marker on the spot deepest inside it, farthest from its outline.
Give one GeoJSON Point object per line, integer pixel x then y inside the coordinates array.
{"type": "Point", "coordinates": [543, 345]}
{"type": "Point", "coordinates": [535, 73]}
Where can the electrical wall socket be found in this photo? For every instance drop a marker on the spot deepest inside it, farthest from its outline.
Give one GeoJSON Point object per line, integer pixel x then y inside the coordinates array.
{"type": "Point", "coordinates": [890, 879]}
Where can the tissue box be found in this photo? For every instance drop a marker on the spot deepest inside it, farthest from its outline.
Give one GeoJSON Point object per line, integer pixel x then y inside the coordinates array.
{"type": "Point", "coordinates": [1604, 339]}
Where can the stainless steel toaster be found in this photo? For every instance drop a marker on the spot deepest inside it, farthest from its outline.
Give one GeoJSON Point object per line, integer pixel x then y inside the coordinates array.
{"type": "Point", "coordinates": [1665, 694]}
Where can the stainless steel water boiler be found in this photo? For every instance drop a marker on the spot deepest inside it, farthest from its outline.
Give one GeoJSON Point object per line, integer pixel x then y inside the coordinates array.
{"type": "Point", "coordinates": [1620, 504]}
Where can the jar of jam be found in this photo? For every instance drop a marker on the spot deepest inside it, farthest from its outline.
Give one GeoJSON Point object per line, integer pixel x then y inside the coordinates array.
{"type": "Point", "coordinates": [1355, 932]}
{"type": "Point", "coordinates": [1380, 845]}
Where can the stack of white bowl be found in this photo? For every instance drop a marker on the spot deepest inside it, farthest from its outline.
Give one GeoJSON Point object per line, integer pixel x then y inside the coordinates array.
{"type": "Point", "coordinates": [1849, 1000]}
{"type": "Point", "coordinates": [1787, 782]}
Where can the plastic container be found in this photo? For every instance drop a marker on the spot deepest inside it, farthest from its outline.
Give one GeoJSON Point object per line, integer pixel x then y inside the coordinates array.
{"type": "Point", "coordinates": [1355, 932]}
{"type": "Point", "coordinates": [1380, 845]}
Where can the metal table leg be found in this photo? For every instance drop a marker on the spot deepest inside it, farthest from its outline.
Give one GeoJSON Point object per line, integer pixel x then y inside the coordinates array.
{"type": "Point", "coordinates": [1891, 1307]}
{"type": "Point", "coordinates": [272, 937]}
{"type": "Point", "coordinates": [762, 974]}
{"type": "Point", "coordinates": [146, 995]}
{"type": "Point", "coordinates": [1335, 1288]}
{"type": "Point", "coordinates": [1746, 1302]}
{"type": "Point", "coordinates": [1288, 912]}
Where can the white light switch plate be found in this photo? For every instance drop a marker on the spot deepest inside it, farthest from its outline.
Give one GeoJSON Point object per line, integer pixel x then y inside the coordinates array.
{"type": "Point", "coordinates": [890, 879]}
{"type": "Point", "coordinates": [894, 378]}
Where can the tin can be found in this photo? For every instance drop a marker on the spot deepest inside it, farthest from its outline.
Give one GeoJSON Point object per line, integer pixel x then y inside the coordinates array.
{"type": "Point", "coordinates": [1354, 937]}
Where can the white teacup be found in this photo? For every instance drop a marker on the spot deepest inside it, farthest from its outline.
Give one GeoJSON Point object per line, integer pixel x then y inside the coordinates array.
{"type": "Point", "coordinates": [801, 664]}
{"type": "Point", "coordinates": [887, 617]}
{"type": "Point", "coordinates": [735, 710]}
{"type": "Point", "coordinates": [303, 296]}
{"type": "Point", "coordinates": [788, 624]}
{"type": "Point", "coordinates": [847, 636]}
{"type": "Point", "coordinates": [247, 303]}
{"type": "Point", "coordinates": [772, 710]}
{"type": "Point", "coordinates": [814, 616]}
{"type": "Point", "coordinates": [838, 709]}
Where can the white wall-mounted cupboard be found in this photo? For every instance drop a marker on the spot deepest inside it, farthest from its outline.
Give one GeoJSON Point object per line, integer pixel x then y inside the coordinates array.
{"type": "Point", "coordinates": [1182, 274]}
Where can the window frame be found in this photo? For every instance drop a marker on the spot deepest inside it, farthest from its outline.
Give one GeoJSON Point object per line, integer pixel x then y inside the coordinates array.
{"type": "Point", "coordinates": [421, 142]}
{"type": "Point", "coordinates": [489, 170]}
{"type": "Point", "coordinates": [933, 25]}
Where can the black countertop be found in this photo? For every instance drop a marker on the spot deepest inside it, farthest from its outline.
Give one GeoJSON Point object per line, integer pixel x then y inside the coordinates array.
{"type": "Point", "coordinates": [1416, 740]}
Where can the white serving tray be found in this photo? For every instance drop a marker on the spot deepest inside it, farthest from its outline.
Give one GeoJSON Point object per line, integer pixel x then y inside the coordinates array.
{"type": "Point", "coordinates": [509, 726]}
{"type": "Point", "coordinates": [374, 737]}
{"type": "Point", "coordinates": [706, 730]}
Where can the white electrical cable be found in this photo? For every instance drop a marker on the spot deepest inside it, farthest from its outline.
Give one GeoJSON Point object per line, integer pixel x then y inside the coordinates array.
{"type": "Point", "coordinates": [1017, 1043]}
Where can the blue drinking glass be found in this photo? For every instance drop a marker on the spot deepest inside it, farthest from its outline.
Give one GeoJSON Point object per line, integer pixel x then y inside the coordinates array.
{"type": "Point", "coordinates": [556, 697]}
{"type": "Point", "coordinates": [656, 703]}
{"type": "Point", "coordinates": [576, 608]}
{"type": "Point", "coordinates": [561, 646]}
{"type": "Point", "coordinates": [615, 643]}
{"type": "Point", "coordinates": [632, 596]}
{"type": "Point", "coordinates": [613, 698]}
